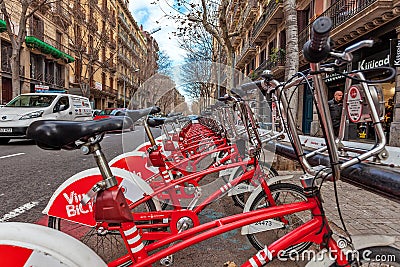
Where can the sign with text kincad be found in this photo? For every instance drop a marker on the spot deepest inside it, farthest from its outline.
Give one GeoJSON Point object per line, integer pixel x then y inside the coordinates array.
{"type": "Point", "coordinates": [395, 52]}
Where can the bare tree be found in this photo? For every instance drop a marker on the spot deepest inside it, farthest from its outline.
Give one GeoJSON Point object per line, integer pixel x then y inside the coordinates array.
{"type": "Point", "coordinates": [164, 62]}
{"type": "Point", "coordinates": [292, 50]}
{"type": "Point", "coordinates": [94, 47]}
{"type": "Point", "coordinates": [212, 16]}
{"type": "Point", "coordinates": [21, 10]}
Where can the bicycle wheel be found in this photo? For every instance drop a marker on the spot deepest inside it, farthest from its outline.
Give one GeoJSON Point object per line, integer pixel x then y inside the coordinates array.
{"type": "Point", "coordinates": [384, 256]}
{"type": "Point", "coordinates": [283, 193]}
{"type": "Point", "coordinates": [240, 199]}
{"type": "Point", "coordinates": [108, 244]}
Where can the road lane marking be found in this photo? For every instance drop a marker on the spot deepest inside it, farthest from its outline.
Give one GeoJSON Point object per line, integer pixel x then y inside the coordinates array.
{"type": "Point", "coordinates": [18, 211]}
{"type": "Point", "coordinates": [12, 155]}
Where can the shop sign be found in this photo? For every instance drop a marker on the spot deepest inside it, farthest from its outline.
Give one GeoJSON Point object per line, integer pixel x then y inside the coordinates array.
{"type": "Point", "coordinates": [354, 105]}
{"type": "Point", "coordinates": [378, 60]}
{"type": "Point", "coordinates": [395, 52]}
{"type": "Point", "coordinates": [39, 88]}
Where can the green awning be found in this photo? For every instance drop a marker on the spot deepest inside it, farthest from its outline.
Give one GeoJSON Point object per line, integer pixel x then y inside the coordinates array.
{"type": "Point", "coordinates": [47, 49]}
{"type": "Point", "coordinates": [2, 26]}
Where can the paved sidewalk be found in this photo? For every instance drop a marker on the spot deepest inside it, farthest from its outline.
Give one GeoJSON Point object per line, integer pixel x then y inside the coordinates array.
{"type": "Point", "coordinates": [363, 212]}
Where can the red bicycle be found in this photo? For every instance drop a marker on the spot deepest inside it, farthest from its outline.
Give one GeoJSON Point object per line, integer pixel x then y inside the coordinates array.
{"type": "Point", "coordinates": [111, 205]}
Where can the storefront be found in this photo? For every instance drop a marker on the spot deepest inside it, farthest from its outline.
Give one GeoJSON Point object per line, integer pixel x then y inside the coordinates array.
{"type": "Point", "coordinates": [368, 59]}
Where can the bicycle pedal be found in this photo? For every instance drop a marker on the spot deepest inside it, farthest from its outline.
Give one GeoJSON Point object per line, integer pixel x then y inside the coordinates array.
{"type": "Point", "coordinates": [167, 261]}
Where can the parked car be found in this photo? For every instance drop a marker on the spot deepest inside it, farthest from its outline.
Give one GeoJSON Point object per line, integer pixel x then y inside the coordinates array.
{"type": "Point", "coordinates": [111, 112]}
{"type": "Point", "coordinates": [24, 109]}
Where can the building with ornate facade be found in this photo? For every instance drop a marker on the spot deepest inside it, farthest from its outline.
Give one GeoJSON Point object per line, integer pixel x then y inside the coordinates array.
{"type": "Point", "coordinates": [89, 47]}
{"type": "Point", "coordinates": [263, 42]}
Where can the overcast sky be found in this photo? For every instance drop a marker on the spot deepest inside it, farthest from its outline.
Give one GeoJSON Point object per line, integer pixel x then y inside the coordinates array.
{"type": "Point", "coordinates": [148, 15]}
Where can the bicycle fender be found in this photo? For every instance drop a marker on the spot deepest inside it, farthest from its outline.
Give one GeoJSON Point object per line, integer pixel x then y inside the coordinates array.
{"type": "Point", "coordinates": [271, 181]}
{"type": "Point", "coordinates": [66, 200]}
{"type": "Point", "coordinates": [25, 244]}
{"type": "Point", "coordinates": [135, 162]}
{"type": "Point", "coordinates": [359, 242]}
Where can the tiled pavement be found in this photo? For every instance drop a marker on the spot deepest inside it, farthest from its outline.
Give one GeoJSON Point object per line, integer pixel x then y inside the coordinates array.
{"type": "Point", "coordinates": [363, 212]}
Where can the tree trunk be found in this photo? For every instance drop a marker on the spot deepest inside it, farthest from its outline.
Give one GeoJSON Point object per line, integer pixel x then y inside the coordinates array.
{"type": "Point", "coordinates": [15, 62]}
{"type": "Point", "coordinates": [292, 50]}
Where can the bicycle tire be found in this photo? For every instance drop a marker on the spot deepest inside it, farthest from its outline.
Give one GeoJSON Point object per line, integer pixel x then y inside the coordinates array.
{"type": "Point", "coordinates": [377, 256]}
{"type": "Point", "coordinates": [283, 193]}
{"type": "Point", "coordinates": [240, 199]}
{"type": "Point", "coordinates": [108, 245]}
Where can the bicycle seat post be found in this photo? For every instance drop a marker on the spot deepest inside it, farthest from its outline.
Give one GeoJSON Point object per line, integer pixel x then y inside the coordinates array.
{"type": "Point", "coordinates": [149, 134]}
{"type": "Point", "coordinates": [94, 148]}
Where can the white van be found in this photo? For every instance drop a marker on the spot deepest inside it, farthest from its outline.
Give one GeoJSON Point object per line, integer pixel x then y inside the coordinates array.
{"type": "Point", "coordinates": [20, 112]}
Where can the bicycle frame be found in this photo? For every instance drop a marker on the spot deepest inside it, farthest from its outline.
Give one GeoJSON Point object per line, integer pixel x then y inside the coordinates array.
{"type": "Point", "coordinates": [315, 230]}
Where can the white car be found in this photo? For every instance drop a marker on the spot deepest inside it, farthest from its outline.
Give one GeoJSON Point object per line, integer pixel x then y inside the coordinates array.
{"type": "Point", "coordinates": [20, 112]}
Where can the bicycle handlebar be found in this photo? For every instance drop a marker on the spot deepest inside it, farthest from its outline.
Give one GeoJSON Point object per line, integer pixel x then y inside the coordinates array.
{"type": "Point", "coordinates": [317, 48]}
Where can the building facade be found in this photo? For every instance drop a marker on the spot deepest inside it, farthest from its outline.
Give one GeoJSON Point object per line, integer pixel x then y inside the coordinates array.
{"type": "Point", "coordinates": [45, 58]}
{"type": "Point", "coordinates": [263, 42]}
{"type": "Point", "coordinates": [88, 47]}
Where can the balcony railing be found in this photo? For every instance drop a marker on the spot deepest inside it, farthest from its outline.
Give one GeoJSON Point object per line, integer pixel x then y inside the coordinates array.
{"type": "Point", "coordinates": [249, 49]}
{"type": "Point", "coordinates": [79, 12]}
{"type": "Point", "coordinates": [249, 13]}
{"type": "Point", "coordinates": [37, 75]}
{"type": "Point", "coordinates": [263, 21]}
{"type": "Point", "coordinates": [275, 60]}
{"type": "Point", "coordinates": [124, 23]}
{"type": "Point", "coordinates": [49, 78]}
{"type": "Point", "coordinates": [340, 12]}
{"type": "Point", "coordinates": [59, 82]}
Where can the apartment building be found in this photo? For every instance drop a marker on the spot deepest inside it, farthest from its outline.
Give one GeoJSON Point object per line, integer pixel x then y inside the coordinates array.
{"type": "Point", "coordinates": [45, 57]}
{"type": "Point", "coordinates": [132, 53]}
{"type": "Point", "coordinates": [262, 45]}
{"type": "Point", "coordinates": [89, 47]}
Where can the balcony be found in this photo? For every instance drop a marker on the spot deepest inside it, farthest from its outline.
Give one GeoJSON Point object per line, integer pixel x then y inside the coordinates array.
{"type": "Point", "coordinates": [123, 22]}
{"type": "Point", "coordinates": [79, 11]}
{"type": "Point", "coordinates": [249, 13]}
{"type": "Point", "coordinates": [275, 62]}
{"type": "Point", "coordinates": [268, 21]}
{"type": "Point", "coordinates": [123, 59]}
{"type": "Point", "coordinates": [352, 19]}
{"type": "Point", "coordinates": [248, 52]}
{"type": "Point", "coordinates": [61, 17]}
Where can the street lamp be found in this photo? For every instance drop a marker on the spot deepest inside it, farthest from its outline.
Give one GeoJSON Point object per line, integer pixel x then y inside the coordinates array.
{"type": "Point", "coordinates": [136, 70]}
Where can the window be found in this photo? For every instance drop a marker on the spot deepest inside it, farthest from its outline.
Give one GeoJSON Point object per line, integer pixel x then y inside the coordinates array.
{"type": "Point", "coordinates": [263, 56]}
{"type": "Point", "coordinates": [58, 40]}
{"type": "Point", "coordinates": [62, 103]}
{"type": "Point", "coordinates": [6, 51]}
{"type": "Point", "coordinates": [36, 67]}
{"type": "Point", "coordinates": [37, 27]}
{"type": "Point", "coordinates": [282, 40]}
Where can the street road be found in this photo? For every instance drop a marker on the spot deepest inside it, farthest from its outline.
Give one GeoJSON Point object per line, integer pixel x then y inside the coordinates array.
{"type": "Point", "coordinates": [29, 175]}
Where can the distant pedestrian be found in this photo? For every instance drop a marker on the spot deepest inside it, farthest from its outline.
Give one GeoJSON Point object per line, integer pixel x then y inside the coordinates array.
{"type": "Point", "coordinates": [335, 108]}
